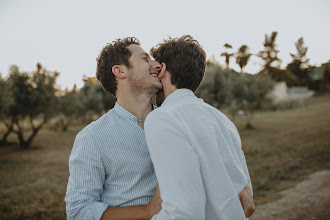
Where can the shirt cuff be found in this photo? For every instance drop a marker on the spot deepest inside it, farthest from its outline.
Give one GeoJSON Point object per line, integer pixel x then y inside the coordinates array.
{"type": "Point", "coordinates": [98, 209]}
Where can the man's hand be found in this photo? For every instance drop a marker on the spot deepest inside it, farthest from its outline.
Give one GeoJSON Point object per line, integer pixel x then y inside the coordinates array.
{"type": "Point", "coordinates": [155, 205]}
{"type": "Point", "coordinates": [247, 201]}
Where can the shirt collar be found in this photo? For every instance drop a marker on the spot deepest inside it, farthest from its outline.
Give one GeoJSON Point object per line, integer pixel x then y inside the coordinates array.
{"type": "Point", "coordinates": [177, 94]}
{"type": "Point", "coordinates": [123, 112]}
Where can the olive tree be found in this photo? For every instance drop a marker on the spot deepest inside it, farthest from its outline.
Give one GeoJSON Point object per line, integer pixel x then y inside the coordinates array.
{"type": "Point", "coordinates": [33, 96]}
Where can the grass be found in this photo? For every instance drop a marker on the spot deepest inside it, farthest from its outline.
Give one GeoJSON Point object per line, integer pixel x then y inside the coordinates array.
{"type": "Point", "coordinates": [284, 148]}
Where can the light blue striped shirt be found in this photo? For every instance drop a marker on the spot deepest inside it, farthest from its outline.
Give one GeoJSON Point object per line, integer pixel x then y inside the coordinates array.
{"type": "Point", "coordinates": [109, 165]}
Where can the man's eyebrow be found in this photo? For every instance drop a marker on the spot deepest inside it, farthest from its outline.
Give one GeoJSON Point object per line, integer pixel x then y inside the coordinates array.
{"type": "Point", "coordinates": [146, 54]}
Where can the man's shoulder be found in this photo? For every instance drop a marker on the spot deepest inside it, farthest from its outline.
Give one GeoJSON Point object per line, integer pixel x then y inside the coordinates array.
{"type": "Point", "coordinates": [106, 121]}
{"type": "Point", "coordinates": [154, 114]}
{"type": "Point", "coordinates": [88, 137]}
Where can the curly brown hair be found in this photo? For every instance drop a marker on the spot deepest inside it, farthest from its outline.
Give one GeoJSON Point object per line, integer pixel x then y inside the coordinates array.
{"type": "Point", "coordinates": [115, 53]}
{"type": "Point", "coordinates": [185, 59]}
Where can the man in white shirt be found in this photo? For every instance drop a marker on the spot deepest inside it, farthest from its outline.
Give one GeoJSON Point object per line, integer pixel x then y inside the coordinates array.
{"type": "Point", "coordinates": [195, 149]}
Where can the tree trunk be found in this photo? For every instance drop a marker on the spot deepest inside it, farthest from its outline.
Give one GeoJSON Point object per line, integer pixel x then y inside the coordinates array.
{"type": "Point", "coordinates": [65, 127]}
{"type": "Point", "coordinates": [25, 144]}
{"type": "Point", "coordinates": [35, 131]}
{"type": "Point", "coordinates": [9, 130]}
{"type": "Point", "coordinates": [65, 123]}
{"type": "Point", "coordinates": [22, 143]}
{"type": "Point", "coordinates": [249, 119]}
{"type": "Point", "coordinates": [249, 125]}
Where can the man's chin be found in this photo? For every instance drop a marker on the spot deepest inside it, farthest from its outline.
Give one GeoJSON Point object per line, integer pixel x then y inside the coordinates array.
{"type": "Point", "coordinates": [160, 85]}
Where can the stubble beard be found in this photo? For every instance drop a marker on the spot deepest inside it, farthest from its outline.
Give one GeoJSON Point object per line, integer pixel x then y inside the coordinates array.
{"type": "Point", "coordinates": [141, 86]}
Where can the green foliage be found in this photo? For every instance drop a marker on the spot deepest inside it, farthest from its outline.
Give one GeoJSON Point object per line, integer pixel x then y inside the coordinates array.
{"type": "Point", "coordinates": [279, 75]}
{"type": "Point", "coordinates": [33, 101]}
{"type": "Point", "coordinates": [299, 66]}
{"type": "Point", "coordinates": [231, 90]}
{"type": "Point", "coordinates": [5, 98]}
{"type": "Point", "coordinates": [93, 99]}
{"type": "Point", "coordinates": [68, 108]}
{"type": "Point", "coordinates": [250, 93]}
{"type": "Point", "coordinates": [271, 62]}
{"type": "Point", "coordinates": [215, 88]}
{"type": "Point", "coordinates": [85, 104]}
{"type": "Point", "coordinates": [5, 101]}
{"type": "Point", "coordinates": [325, 84]}
{"type": "Point", "coordinates": [301, 53]}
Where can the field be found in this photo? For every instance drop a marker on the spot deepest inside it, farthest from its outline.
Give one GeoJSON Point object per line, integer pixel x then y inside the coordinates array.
{"type": "Point", "coordinates": [282, 150]}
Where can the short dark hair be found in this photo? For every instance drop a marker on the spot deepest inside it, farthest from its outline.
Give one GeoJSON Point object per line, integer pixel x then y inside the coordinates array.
{"type": "Point", "coordinates": [185, 59]}
{"type": "Point", "coordinates": [115, 53]}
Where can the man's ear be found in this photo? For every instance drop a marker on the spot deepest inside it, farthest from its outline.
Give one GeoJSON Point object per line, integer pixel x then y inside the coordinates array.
{"type": "Point", "coordinates": [119, 71]}
{"type": "Point", "coordinates": [163, 71]}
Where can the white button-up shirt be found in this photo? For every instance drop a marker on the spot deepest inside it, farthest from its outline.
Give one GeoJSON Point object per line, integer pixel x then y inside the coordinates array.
{"type": "Point", "coordinates": [198, 160]}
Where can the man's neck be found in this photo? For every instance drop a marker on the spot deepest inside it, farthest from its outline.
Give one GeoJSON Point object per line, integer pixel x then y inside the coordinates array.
{"type": "Point", "coordinates": [168, 88]}
{"type": "Point", "coordinates": [140, 105]}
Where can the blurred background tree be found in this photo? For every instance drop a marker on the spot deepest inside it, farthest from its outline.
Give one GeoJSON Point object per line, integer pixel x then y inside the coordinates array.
{"type": "Point", "coordinates": [227, 54]}
{"type": "Point", "coordinates": [5, 101]}
{"type": "Point", "coordinates": [237, 93]}
{"type": "Point", "coordinates": [243, 56]}
{"type": "Point", "coordinates": [250, 94]}
{"type": "Point", "coordinates": [93, 99]}
{"type": "Point", "coordinates": [82, 105]}
{"type": "Point", "coordinates": [325, 85]}
{"type": "Point", "coordinates": [68, 108]}
{"type": "Point", "coordinates": [269, 54]}
{"type": "Point", "coordinates": [299, 66]}
{"type": "Point", "coordinates": [215, 88]}
{"type": "Point", "coordinates": [33, 96]}
{"type": "Point", "coordinates": [271, 62]}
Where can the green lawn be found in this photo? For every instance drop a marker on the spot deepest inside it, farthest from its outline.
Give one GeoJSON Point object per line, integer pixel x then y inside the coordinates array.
{"type": "Point", "coordinates": [286, 146]}
{"type": "Point", "coordinates": [283, 149]}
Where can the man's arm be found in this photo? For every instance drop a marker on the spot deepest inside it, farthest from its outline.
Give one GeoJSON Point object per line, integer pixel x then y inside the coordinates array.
{"type": "Point", "coordinates": [134, 212]}
{"type": "Point", "coordinates": [85, 187]}
{"type": "Point", "coordinates": [177, 168]}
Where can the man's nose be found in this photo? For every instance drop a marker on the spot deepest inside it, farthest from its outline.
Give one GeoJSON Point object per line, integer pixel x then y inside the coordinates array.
{"type": "Point", "coordinates": [157, 65]}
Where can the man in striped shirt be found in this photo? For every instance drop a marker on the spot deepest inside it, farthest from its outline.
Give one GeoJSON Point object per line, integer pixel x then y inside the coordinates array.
{"type": "Point", "coordinates": [111, 173]}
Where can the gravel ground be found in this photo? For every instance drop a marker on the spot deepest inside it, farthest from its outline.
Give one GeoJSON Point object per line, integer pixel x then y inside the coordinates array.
{"type": "Point", "coordinates": [309, 199]}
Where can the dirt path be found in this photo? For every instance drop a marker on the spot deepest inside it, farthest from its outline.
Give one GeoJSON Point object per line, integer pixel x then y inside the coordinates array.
{"type": "Point", "coordinates": [309, 199]}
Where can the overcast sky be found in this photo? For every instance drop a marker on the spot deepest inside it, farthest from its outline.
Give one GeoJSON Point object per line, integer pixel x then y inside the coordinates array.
{"type": "Point", "coordinates": [68, 35]}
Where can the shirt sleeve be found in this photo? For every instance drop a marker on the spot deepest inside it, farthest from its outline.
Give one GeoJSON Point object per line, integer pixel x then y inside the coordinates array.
{"type": "Point", "coordinates": [246, 171]}
{"type": "Point", "coordinates": [242, 158]}
{"type": "Point", "coordinates": [177, 169]}
{"type": "Point", "coordinates": [86, 179]}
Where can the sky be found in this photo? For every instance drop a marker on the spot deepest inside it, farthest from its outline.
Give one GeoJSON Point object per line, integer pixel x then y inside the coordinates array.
{"type": "Point", "coordinates": [67, 36]}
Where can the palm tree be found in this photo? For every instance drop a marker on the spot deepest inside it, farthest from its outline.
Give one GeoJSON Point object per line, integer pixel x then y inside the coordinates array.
{"type": "Point", "coordinates": [226, 54]}
{"type": "Point", "coordinates": [269, 54]}
{"type": "Point", "coordinates": [243, 56]}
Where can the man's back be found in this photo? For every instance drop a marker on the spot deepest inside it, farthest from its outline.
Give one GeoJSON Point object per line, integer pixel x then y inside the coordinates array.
{"type": "Point", "coordinates": [217, 171]}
